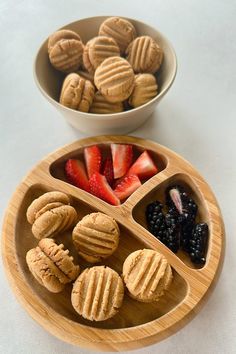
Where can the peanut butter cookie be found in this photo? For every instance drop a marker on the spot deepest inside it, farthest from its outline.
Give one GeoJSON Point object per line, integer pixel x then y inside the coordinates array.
{"type": "Point", "coordinates": [101, 106]}
{"type": "Point", "coordinates": [96, 237]}
{"type": "Point", "coordinates": [77, 93]}
{"type": "Point", "coordinates": [145, 55]}
{"type": "Point", "coordinates": [46, 202]}
{"type": "Point", "coordinates": [97, 50]}
{"type": "Point", "coordinates": [147, 275]}
{"type": "Point", "coordinates": [114, 78]}
{"type": "Point", "coordinates": [65, 50]}
{"type": "Point", "coordinates": [54, 221]}
{"type": "Point", "coordinates": [97, 293]}
{"type": "Point", "coordinates": [51, 265]}
{"type": "Point", "coordinates": [120, 29]}
{"type": "Point", "coordinates": [145, 88]}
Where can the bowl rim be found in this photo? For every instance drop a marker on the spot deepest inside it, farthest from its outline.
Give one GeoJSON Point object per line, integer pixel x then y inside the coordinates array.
{"type": "Point", "coordinates": [95, 116]}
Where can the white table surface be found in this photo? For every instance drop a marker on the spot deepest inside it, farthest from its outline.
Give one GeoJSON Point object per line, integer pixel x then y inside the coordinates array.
{"type": "Point", "coordinates": [196, 119]}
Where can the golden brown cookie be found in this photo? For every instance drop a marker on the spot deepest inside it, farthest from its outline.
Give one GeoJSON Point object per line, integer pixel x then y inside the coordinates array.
{"type": "Point", "coordinates": [145, 55]}
{"type": "Point", "coordinates": [97, 293]}
{"type": "Point", "coordinates": [51, 265]}
{"type": "Point", "coordinates": [145, 88]}
{"type": "Point", "coordinates": [114, 78]}
{"type": "Point", "coordinates": [65, 50]}
{"type": "Point", "coordinates": [96, 237]}
{"type": "Point", "coordinates": [54, 221]}
{"type": "Point", "coordinates": [101, 106]}
{"type": "Point", "coordinates": [45, 202]}
{"type": "Point", "coordinates": [120, 29]}
{"type": "Point", "coordinates": [147, 275]}
{"type": "Point", "coordinates": [59, 35]}
{"type": "Point", "coordinates": [97, 50]}
{"type": "Point", "coordinates": [86, 61]}
{"type": "Point", "coordinates": [77, 93]}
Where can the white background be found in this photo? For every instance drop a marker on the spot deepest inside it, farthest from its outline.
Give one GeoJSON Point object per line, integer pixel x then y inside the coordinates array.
{"type": "Point", "coordinates": [196, 119]}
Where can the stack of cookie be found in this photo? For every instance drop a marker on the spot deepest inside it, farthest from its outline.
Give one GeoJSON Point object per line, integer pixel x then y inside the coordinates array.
{"type": "Point", "coordinates": [112, 72]}
{"type": "Point", "coordinates": [98, 291]}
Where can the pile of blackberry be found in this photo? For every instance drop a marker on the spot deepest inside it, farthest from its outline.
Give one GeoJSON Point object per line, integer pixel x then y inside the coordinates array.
{"type": "Point", "coordinates": [175, 224]}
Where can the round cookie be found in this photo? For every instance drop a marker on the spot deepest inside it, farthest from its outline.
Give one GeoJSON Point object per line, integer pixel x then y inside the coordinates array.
{"type": "Point", "coordinates": [147, 275]}
{"type": "Point", "coordinates": [65, 50]}
{"type": "Point", "coordinates": [114, 78]}
{"type": "Point", "coordinates": [96, 237]}
{"type": "Point", "coordinates": [54, 221]}
{"type": "Point", "coordinates": [77, 93]}
{"type": "Point", "coordinates": [86, 61]}
{"type": "Point", "coordinates": [144, 55]}
{"type": "Point", "coordinates": [97, 50]}
{"type": "Point", "coordinates": [97, 293]}
{"type": "Point", "coordinates": [51, 265]}
{"type": "Point", "coordinates": [47, 200]}
{"type": "Point", "coordinates": [120, 29]}
{"type": "Point", "coordinates": [101, 106]}
{"type": "Point", "coordinates": [145, 88]}
{"type": "Point", "coordinates": [61, 35]}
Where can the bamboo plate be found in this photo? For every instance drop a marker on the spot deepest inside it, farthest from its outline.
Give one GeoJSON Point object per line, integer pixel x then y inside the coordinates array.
{"type": "Point", "coordinates": [137, 324]}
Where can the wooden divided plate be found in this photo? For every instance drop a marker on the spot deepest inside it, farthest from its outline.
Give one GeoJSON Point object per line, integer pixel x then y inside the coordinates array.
{"type": "Point", "coordinates": [137, 324]}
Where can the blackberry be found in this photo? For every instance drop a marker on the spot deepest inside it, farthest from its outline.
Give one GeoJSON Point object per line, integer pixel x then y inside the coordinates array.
{"type": "Point", "coordinates": [198, 242]}
{"type": "Point", "coordinates": [184, 209]}
{"type": "Point", "coordinates": [156, 220]}
{"type": "Point", "coordinates": [163, 227]}
{"type": "Point", "coordinates": [177, 199]}
{"type": "Point", "coordinates": [177, 227]}
{"type": "Point", "coordinates": [172, 235]}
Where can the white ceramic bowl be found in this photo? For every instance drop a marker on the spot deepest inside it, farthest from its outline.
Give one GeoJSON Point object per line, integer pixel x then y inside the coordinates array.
{"type": "Point", "coordinates": [50, 80]}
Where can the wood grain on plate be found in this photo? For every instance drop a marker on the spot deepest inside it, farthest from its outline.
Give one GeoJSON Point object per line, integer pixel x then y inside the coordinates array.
{"type": "Point", "coordinates": [137, 324]}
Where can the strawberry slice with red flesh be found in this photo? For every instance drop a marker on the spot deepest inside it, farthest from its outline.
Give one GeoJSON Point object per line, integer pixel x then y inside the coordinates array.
{"type": "Point", "coordinates": [127, 186]}
{"type": "Point", "coordinates": [108, 170]}
{"type": "Point", "coordinates": [76, 174]}
{"type": "Point", "coordinates": [122, 156]}
{"type": "Point", "coordinates": [93, 159]}
{"type": "Point", "coordinates": [101, 189]}
{"type": "Point", "coordinates": [143, 167]}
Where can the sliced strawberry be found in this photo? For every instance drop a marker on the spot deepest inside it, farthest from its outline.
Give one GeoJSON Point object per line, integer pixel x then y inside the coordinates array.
{"type": "Point", "coordinates": [93, 159]}
{"type": "Point", "coordinates": [108, 170]}
{"type": "Point", "coordinates": [101, 189]}
{"type": "Point", "coordinates": [143, 167]}
{"type": "Point", "coordinates": [127, 186]}
{"type": "Point", "coordinates": [122, 158]}
{"type": "Point", "coordinates": [75, 172]}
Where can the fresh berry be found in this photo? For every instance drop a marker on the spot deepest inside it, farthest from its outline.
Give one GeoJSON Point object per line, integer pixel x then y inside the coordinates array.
{"type": "Point", "coordinates": [163, 227]}
{"type": "Point", "coordinates": [143, 167]}
{"type": "Point", "coordinates": [156, 220]}
{"type": "Point", "coordinates": [107, 170]}
{"type": "Point", "coordinates": [184, 210]}
{"type": "Point", "coordinates": [178, 200]}
{"type": "Point", "coordinates": [101, 189]}
{"type": "Point", "coordinates": [122, 156]}
{"type": "Point", "coordinates": [177, 228]}
{"type": "Point", "coordinates": [198, 242]}
{"type": "Point", "coordinates": [93, 159]}
{"type": "Point", "coordinates": [127, 186]}
{"type": "Point", "coordinates": [75, 172]}
{"type": "Point", "coordinates": [172, 239]}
